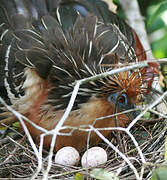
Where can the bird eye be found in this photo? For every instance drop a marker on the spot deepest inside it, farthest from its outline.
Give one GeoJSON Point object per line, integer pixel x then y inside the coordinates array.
{"type": "Point", "coordinates": [123, 99]}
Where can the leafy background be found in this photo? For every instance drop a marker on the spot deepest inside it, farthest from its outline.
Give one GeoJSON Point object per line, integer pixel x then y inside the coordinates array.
{"type": "Point", "coordinates": [156, 24]}
{"type": "Point", "coordinates": [155, 16]}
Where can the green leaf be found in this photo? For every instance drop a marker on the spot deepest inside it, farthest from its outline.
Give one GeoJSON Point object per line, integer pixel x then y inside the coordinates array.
{"type": "Point", "coordinates": [159, 12]}
{"type": "Point", "coordinates": [164, 70]}
{"type": "Point", "coordinates": [161, 9]}
{"type": "Point", "coordinates": [102, 174]}
{"type": "Point", "coordinates": [16, 124]}
{"type": "Point", "coordinates": [147, 115]}
{"type": "Point", "coordinates": [160, 173]}
{"type": "Point", "coordinates": [160, 47]}
{"type": "Point", "coordinates": [79, 176]}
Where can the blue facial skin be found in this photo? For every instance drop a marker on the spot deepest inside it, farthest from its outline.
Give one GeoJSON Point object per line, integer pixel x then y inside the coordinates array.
{"type": "Point", "coordinates": [122, 103]}
{"type": "Point", "coordinates": [122, 100]}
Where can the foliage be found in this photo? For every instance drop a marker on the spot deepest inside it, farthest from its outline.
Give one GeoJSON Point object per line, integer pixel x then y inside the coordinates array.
{"type": "Point", "coordinates": [160, 173]}
{"type": "Point", "coordinates": [155, 15]}
{"type": "Point", "coordinates": [156, 21]}
{"type": "Point", "coordinates": [102, 174]}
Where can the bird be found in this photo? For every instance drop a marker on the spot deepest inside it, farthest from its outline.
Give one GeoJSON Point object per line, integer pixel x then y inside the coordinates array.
{"type": "Point", "coordinates": [46, 46]}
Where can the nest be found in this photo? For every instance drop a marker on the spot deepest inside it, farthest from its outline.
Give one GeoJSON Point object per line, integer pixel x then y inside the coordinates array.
{"type": "Point", "coordinates": [142, 145]}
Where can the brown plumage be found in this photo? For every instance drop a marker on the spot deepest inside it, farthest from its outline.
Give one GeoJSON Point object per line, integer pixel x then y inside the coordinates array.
{"type": "Point", "coordinates": [47, 52]}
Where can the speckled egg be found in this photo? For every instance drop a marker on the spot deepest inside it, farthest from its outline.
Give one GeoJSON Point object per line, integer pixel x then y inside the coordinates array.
{"type": "Point", "coordinates": [67, 156]}
{"type": "Point", "coordinates": [94, 157]}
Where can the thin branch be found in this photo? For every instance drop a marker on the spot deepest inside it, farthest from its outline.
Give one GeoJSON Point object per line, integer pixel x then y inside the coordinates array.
{"type": "Point", "coordinates": [59, 125]}
{"type": "Point", "coordinates": [157, 101]}
{"type": "Point", "coordinates": [117, 151]}
{"type": "Point", "coordinates": [20, 118]}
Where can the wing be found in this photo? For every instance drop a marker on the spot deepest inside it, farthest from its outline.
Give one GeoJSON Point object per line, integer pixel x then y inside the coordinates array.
{"type": "Point", "coordinates": [45, 36]}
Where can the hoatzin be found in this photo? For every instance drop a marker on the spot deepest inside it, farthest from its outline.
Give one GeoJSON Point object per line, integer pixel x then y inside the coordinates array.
{"type": "Point", "coordinates": [46, 45]}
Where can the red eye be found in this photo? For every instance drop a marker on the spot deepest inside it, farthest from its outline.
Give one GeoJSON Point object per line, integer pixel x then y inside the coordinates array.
{"type": "Point", "coordinates": [122, 99]}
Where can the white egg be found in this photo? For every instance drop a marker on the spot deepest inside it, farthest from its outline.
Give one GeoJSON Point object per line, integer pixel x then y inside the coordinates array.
{"type": "Point", "coordinates": [67, 156]}
{"type": "Point", "coordinates": [94, 157]}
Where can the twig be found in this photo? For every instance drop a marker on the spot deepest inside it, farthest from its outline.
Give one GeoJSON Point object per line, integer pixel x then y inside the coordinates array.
{"type": "Point", "coordinates": [20, 118]}
{"type": "Point", "coordinates": [116, 150]}
{"type": "Point", "coordinates": [158, 100]}
{"type": "Point", "coordinates": [58, 127]}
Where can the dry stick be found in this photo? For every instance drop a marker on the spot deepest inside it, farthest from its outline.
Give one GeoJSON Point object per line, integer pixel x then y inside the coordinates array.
{"type": "Point", "coordinates": [158, 113]}
{"type": "Point", "coordinates": [133, 139]}
{"type": "Point", "coordinates": [158, 100]}
{"type": "Point", "coordinates": [58, 127]}
{"type": "Point", "coordinates": [20, 117]}
{"type": "Point", "coordinates": [116, 150]}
